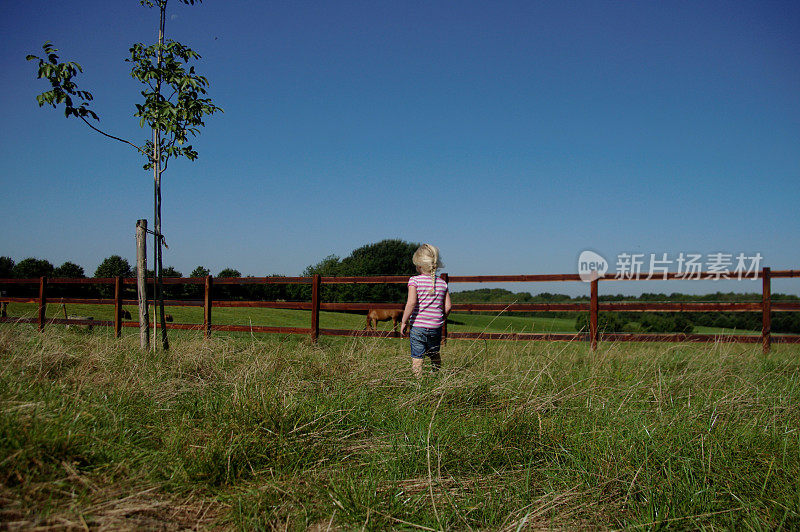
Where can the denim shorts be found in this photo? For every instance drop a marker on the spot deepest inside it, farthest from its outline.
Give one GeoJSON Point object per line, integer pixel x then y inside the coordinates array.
{"type": "Point", "coordinates": [424, 341]}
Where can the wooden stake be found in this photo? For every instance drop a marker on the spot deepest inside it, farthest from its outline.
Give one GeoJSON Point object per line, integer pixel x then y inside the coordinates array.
{"type": "Point", "coordinates": [141, 283]}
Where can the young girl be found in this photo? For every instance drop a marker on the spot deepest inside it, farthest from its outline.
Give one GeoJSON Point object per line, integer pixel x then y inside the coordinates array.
{"type": "Point", "coordinates": [426, 309]}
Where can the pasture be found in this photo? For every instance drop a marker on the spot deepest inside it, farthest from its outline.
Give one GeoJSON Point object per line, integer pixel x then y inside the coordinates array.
{"type": "Point", "coordinates": [459, 321]}
{"type": "Point", "coordinates": [270, 431]}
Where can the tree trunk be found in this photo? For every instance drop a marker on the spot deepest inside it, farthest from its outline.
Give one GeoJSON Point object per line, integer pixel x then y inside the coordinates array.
{"type": "Point", "coordinates": [156, 245]}
{"type": "Point", "coordinates": [159, 281]}
{"type": "Point", "coordinates": [157, 184]}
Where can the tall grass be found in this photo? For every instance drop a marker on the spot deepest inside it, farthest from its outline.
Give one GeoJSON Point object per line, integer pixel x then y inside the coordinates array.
{"type": "Point", "coordinates": [273, 432]}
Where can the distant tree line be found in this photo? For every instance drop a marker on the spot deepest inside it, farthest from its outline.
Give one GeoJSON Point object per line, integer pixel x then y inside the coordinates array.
{"type": "Point", "coordinates": [387, 257]}
{"type": "Point", "coordinates": [112, 266]}
{"type": "Point", "coordinates": [393, 257]}
{"type": "Point", "coordinates": [655, 322]}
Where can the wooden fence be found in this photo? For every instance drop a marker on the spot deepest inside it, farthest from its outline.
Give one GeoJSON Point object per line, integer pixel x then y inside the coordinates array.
{"type": "Point", "coordinates": [766, 306]}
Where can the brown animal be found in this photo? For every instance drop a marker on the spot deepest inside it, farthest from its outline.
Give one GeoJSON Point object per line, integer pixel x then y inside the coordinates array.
{"type": "Point", "coordinates": [383, 314]}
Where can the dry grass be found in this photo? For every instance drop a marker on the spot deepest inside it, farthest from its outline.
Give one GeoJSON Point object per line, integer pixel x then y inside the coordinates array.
{"type": "Point", "coordinates": [277, 433]}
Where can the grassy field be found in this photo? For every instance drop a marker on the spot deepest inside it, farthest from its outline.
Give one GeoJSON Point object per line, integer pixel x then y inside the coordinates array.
{"type": "Point", "coordinates": [271, 432]}
{"type": "Point", "coordinates": [328, 320]}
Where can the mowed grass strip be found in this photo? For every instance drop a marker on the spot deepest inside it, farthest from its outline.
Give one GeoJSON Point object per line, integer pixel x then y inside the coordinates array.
{"type": "Point", "coordinates": [273, 432]}
{"type": "Point", "coordinates": [459, 321]}
{"type": "Point", "coordinates": [302, 318]}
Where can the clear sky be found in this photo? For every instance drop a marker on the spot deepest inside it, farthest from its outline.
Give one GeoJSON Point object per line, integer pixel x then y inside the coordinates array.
{"type": "Point", "coordinates": [514, 135]}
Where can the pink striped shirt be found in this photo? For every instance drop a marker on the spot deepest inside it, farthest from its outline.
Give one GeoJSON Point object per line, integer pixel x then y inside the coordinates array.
{"type": "Point", "coordinates": [429, 311]}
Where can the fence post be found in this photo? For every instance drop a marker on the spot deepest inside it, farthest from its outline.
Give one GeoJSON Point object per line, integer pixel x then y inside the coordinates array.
{"type": "Point", "coordinates": [593, 311]}
{"type": "Point", "coordinates": [315, 284]}
{"type": "Point", "coordinates": [42, 301]}
{"type": "Point", "coordinates": [117, 306]}
{"type": "Point", "coordinates": [766, 307]}
{"type": "Point", "coordinates": [141, 283]}
{"type": "Point", "coordinates": [207, 307]}
{"type": "Point", "coordinates": [446, 279]}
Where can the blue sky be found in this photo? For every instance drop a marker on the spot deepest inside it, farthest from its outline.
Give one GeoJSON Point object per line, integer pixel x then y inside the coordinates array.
{"type": "Point", "coordinates": [514, 135]}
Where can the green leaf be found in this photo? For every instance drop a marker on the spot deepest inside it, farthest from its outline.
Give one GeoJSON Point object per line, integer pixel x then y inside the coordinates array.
{"type": "Point", "coordinates": [171, 99]}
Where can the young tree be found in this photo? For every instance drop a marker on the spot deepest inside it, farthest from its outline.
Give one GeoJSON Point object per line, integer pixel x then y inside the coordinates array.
{"type": "Point", "coordinates": [174, 107]}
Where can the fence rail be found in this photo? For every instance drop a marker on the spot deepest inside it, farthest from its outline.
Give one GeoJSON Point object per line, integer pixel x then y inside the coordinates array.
{"type": "Point", "coordinates": [594, 306]}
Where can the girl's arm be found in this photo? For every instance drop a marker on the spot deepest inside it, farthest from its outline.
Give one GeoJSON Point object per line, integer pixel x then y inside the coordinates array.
{"type": "Point", "coordinates": [447, 304]}
{"type": "Point", "coordinates": [411, 302]}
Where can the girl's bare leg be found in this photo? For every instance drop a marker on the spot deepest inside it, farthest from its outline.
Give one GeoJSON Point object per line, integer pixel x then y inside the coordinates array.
{"type": "Point", "coordinates": [416, 367]}
{"type": "Point", "coordinates": [436, 362]}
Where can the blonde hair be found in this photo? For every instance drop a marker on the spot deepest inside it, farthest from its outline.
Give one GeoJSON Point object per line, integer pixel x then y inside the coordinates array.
{"type": "Point", "coordinates": [427, 259]}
